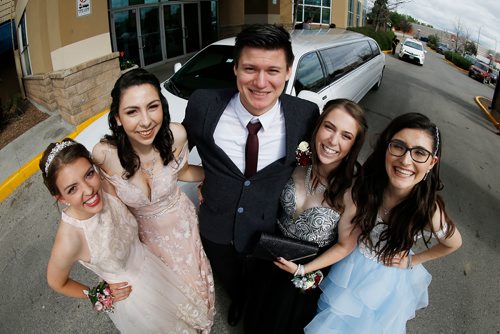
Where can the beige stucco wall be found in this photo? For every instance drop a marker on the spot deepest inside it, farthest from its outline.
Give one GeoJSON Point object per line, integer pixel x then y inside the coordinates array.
{"type": "Point", "coordinates": [38, 34]}
{"type": "Point", "coordinates": [231, 17]}
{"type": "Point", "coordinates": [58, 38]}
{"type": "Point", "coordinates": [339, 13]}
{"type": "Point", "coordinates": [74, 28]}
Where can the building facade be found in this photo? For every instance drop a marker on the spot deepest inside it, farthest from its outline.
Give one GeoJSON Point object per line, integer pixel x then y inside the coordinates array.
{"type": "Point", "coordinates": [69, 51]}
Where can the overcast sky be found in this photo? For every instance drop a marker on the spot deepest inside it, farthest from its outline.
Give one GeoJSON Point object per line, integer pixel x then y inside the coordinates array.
{"type": "Point", "coordinates": [475, 15]}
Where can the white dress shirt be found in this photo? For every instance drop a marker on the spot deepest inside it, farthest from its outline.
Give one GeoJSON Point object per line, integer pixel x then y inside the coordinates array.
{"type": "Point", "coordinates": [231, 133]}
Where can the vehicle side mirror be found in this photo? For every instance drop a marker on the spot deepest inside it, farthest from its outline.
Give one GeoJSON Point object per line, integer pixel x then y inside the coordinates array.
{"type": "Point", "coordinates": [425, 51]}
{"type": "Point", "coordinates": [177, 67]}
{"type": "Point", "coordinates": [313, 97]}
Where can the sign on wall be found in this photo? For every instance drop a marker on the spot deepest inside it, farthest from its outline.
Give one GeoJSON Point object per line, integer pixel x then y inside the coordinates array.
{"type": "Point", "coordinates": [83, 7]}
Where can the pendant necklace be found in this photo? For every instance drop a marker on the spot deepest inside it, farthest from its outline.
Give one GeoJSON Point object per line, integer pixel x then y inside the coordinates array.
{"type": "Point", "coordinates": [149, 171]}
{"type": "Point", "coordinates": [320, 188]}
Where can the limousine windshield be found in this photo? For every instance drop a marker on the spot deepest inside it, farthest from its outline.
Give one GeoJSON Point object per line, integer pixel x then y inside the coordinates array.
{"type": "Point", "coordinates": [211, 67]}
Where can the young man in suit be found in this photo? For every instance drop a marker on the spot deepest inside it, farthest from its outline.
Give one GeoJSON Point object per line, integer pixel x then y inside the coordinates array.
{"type": "Point", "coordinates": [241, 195]}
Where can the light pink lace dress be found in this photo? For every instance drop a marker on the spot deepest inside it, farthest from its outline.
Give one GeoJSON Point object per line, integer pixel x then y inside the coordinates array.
{"type": "Point", "coordinates": [168, 226]}
{"type": "Point", "coordinates": [157, 303]}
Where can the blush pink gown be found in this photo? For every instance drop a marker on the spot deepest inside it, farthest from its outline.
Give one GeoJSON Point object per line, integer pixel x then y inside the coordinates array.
{"type": "Point", "coordinates": [168, 226]}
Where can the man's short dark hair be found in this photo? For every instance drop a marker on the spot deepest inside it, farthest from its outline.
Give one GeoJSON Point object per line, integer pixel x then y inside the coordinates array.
{"type": "Point", "coordinates": [264, 36]}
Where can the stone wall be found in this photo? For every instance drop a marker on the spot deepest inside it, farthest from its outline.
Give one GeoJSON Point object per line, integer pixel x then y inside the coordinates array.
{"type": "Point", "coordinates": [79, 92]}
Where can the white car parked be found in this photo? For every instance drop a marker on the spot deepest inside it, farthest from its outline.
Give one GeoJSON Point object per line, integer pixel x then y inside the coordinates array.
{"type": "Point", "coordinates": [412, 50]}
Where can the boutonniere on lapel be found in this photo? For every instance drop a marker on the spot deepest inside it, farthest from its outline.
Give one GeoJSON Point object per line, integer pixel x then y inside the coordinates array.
{"type": "Point", "coordinates": [303, 154]}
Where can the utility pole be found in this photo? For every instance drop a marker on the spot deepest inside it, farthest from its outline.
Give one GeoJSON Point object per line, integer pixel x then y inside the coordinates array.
{"type": "Point", "coordinates": [478, 34]}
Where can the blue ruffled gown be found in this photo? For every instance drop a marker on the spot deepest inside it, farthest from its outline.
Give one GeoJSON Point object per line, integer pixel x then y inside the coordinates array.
{"type": "Point", "coordinates": [362, 295]}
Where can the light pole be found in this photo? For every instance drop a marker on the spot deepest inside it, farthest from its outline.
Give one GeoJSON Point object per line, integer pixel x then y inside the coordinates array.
{"type": "Point", "coordinates": [478, 34]}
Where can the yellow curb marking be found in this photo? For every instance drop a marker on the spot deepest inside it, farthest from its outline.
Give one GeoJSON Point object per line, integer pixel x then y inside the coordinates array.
{"type": "Point", "coordinates": [31, 167]}
{"type": "Point", "coordinates": [492, 118]}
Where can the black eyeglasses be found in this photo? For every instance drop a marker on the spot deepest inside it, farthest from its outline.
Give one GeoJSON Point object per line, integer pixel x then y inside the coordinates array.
{"type": "Point", "coordinates": [418, 154]}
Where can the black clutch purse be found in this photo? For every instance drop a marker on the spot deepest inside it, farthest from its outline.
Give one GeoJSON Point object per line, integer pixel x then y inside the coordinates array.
{"type": "Point", "coordinates": [271, 246]}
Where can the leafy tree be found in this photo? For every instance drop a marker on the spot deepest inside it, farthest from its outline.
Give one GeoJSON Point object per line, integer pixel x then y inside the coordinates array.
{"type": "Point", "coordinates": [433, 41]}
{"type": "Point", "coordinates": [405, 27]}
{"type": "Point", "coordinates": [470, 47]}
{"type": "Point", "coordinates": [380, 14]}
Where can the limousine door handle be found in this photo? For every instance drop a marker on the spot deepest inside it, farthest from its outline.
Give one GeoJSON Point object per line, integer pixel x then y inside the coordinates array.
{"type": "Point", "coordinates": [324, 97]}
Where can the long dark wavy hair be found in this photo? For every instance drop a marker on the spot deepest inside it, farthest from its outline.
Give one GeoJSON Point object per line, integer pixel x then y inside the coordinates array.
{"type": "Point", "coordinates": [408, 218]}
{"type": "Point", "coordinates": [62, 157]}
{"type": "Point", "coordinates": [341, 178]}
{"type": "Point", "coordinates": [164, 139]}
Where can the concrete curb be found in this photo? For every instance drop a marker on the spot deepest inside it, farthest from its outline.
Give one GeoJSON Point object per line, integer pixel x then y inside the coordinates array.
{"type": "Point", "coordinates": [30, 168]}
{"type": "Point", "coordinates": [483, 103]}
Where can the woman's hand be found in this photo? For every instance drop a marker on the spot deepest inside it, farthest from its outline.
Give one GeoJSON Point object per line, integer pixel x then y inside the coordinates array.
{"type": "Point", "coordinates": [285, 265]}
{"type": "Point", "coordinates": [399, 261]}
{"type": "Point", "coordinates": [120, 291]}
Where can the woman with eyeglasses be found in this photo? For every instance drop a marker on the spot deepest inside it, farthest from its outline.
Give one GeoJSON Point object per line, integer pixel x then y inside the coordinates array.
{"type": "Point", "coordinates": [378, 287]}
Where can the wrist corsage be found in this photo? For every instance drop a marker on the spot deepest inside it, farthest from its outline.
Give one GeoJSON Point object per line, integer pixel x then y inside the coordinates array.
{"type": "Point", "coordinates": [303, 154]}
{"type": "Point", "coordinates": [100, 297]}
{"type": "Point", "coordinates": [308, 281]}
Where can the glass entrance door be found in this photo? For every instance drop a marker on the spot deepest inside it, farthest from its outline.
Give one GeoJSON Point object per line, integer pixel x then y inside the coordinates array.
{"type": "Point", "coordinates": [182, 28]}
{"type": "Point", "coordinates": [149, 36]}
{"type": "Point", "coordinates": [125, 26]}
{"type": "Point", "coordinates": [191, 27]}
{"type": "Point", "coordinates": [174, 33]}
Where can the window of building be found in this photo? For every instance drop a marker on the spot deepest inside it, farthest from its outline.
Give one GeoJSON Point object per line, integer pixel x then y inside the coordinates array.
{"type": "Point", "coordinates": [350, 14]}
{"type": "Point", "coordinates": [358, 16]}
{"type": "Point", "coordinates": [364, 12]}
{"type": "Point", "coordinates": [318, 10]}
{"type": "Point", "coordinates": [23, 47]}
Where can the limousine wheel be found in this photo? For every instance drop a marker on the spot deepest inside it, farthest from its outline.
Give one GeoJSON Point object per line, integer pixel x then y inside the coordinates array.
{"type": "Point", "coordinates": [379, 82]}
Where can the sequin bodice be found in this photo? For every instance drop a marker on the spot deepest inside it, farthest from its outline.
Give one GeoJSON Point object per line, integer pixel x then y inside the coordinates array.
{"type": "Point", "coordinates": [315, 223]}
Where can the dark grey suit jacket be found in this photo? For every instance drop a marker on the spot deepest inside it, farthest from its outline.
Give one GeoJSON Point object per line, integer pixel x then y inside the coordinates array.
{"type": "Point", "coordinates": [236, 210]}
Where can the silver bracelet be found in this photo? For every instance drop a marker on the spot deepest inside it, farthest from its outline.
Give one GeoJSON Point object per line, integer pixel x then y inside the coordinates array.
{"type": "Point", "coordinates": [299, 271]}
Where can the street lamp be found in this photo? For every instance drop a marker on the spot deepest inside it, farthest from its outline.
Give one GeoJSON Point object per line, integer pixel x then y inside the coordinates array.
{"type": "Point", "coordinates": [478, 34]}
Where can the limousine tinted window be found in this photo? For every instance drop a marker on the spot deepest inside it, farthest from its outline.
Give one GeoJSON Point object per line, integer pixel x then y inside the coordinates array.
{"type": "Point", "coordinates": [310, 74]}
{"type": "Point", "coordinates": [342, 59]}
{"type": "Point", "coordinates": [375, 48]}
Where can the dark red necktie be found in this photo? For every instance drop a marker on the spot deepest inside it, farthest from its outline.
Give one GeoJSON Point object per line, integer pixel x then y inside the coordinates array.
{"type": "Point", "coordinates": [252, 149]}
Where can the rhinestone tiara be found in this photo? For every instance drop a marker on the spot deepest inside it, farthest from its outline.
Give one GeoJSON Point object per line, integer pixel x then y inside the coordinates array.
{"type": "Point", "coordinates": [56, 149]}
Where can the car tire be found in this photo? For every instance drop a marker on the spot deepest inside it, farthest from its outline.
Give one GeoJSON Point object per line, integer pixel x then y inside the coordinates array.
{"type": "Point", "coordinates": [485, 80]}
{"type": "Point", "coordinates": [379, 82]}
{"type": "Point", "coordinates": [470, 74]}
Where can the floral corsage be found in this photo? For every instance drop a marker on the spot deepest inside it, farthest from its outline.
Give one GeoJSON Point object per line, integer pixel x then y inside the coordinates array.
{"type": "Point", "coordinates": [308, 281]}
{"type": "Point", "coordinates": [100, 297]}
{"type": "Point", "coordinates": [303, 154]}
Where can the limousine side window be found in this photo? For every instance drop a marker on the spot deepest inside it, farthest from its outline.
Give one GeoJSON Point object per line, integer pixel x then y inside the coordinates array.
{"type": "Point", "coordinates": [375, 48]}
{"type": "Point", "coordinates": [343, 59]}
{"type": "Point", "coordinates": [310, 74]}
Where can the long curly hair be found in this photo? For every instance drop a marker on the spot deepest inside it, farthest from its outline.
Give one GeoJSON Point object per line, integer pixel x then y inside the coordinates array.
{"type": "Point", "coordinates": [164, 139]}
{"type": "Point", "coordinates": [413, 214]}
{"type": "Point", "coordinates": [341, 178]}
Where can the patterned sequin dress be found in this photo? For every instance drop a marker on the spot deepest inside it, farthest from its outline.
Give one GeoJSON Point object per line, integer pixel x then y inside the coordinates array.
{"type": "Point", "coordinates": [280, 307]}
{"type": "Point", "coordinates": [157, 303]}
{"type": "Point", "coordinates": [168, 226]}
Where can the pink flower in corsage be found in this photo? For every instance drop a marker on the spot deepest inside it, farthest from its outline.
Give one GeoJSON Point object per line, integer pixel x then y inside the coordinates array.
{"type": "Point", "coordinates": [303, 154]}
{"type": "Point", "coordinates": [308, 281]}
{"type": "Point", "coordinates": [100, 297]}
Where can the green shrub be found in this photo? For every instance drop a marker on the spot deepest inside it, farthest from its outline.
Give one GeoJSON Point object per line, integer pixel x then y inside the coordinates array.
{"type": "Point", "coordinates": [383, 38]}
{"type": "Point", "coordinates": [457, 59]}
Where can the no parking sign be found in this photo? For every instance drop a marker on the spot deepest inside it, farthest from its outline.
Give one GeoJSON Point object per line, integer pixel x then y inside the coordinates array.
{"type": "Point", "coordinates": [83, 7]}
